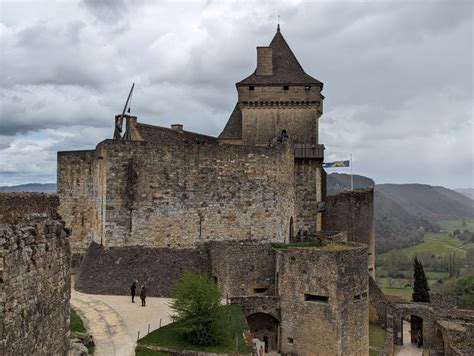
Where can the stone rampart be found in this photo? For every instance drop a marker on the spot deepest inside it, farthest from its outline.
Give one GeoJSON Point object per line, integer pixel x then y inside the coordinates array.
{"type": "Point", "coordinates": [128, 193]}
{"type": "Point", "coordinates": [353, 212]}
{"type": "Point", "coordinates": [34, 276]}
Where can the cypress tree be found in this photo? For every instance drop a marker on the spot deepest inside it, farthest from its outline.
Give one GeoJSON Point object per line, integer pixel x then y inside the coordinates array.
{"type": "Point", "coordinates": [421, 291]}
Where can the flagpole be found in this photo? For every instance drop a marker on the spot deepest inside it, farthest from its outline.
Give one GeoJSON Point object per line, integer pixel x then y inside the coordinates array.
{"type": "Point", "coordinates": [352, 178]}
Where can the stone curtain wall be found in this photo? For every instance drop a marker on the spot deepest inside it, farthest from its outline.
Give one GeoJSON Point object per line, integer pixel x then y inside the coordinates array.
{"type": "Point", "coordinates": [353, 211]}
{"type": "Point", "coordinates": [34, 276]}
{"type": "Point", "coordinates": [182, 196]}
{"type": "Point", "coordinates": [378, 304]}
{"type": "Point", "coordinates": [324, 300]}
{"type": "Point", "coordinates": [80, 182]}
{"type": "Point", "coordinates": [243, 268]}
{"type": "Point", "coordinates": [113, 270]}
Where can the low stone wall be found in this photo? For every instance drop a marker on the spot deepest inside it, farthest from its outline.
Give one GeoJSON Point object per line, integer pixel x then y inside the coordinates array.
{"type": "Point", "coordinates": [34, 276]}
{"type": "Point", "coordinates": [175, 352]}
{"type": "Point", "coordinates": [243, 268]}
{"type": "Point", "coordinates": [377, 304]}
{"type": "Point", "coordinates": [113, 270]}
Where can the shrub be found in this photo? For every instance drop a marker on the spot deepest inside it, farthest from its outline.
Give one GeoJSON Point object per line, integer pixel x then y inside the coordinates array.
{"type": "Point", "coordinates": [200, 317]}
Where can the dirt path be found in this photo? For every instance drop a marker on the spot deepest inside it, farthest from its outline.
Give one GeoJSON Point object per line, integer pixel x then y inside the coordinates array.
{"type": "Point", "coordinates": [114, 321]}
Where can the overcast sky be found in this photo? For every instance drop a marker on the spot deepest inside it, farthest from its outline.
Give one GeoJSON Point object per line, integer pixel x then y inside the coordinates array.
{"type": "Point", "coordinates": [398, 77]}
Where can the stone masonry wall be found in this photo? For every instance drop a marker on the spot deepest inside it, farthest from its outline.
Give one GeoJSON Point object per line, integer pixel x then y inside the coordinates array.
{"type": "Point", "coordinates": [353, 211]}
{"type": "Point", "coordinates": [34, 276]}
{"type": "Point", "coordinates": [243, 268]}
{"type": "Point", "coordinates": [267, 110]}
{"type": "Point", "coordinates": [170, 196]}
{"type": "Point", "coordinates": [113, 270]}
{"type": "Point", "coordinates": [324, 300]}
{"type": "Point", "coordinates": [80, 187]}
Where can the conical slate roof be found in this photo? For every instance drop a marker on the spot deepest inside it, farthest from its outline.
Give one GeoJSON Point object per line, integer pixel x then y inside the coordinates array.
{"type": "Point", "coordinates": [233, 129]}
{"type": "Point", "coordinates": [286, 68]}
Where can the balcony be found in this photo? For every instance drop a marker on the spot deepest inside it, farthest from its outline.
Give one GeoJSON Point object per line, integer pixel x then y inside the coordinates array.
{"type": "Point", "coordinates": [309, 151]}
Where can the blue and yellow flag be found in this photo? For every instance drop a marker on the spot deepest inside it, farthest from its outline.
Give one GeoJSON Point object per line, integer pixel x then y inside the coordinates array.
{"type": "Point", "coordinates": [337, 164]}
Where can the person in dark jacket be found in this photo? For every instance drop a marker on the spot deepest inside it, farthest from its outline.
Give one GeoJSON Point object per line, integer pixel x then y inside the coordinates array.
{"type": "Point", "coordinates": [143, 295]}
{"type": "Point", "coordinates": [133, 290]}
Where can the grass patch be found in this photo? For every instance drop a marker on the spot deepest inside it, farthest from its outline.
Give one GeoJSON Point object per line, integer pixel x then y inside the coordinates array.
{"type": "Point", "coordinates": [376, 339]}
{"type": "Point", "coordinates": [142, 351]}
{"type": "Point", "coordinates": [169, 337]}
{"type": "Point", "coordinates": [329, 246]}
{"type": "Point", "coordinates": [404, 293]}
{"type": "Point", "coordinates": [76, 324]}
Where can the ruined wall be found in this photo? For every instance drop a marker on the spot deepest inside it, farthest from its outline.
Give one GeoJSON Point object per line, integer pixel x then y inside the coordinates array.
{"type": "Point", "coordinates": [183, 196]}
{"type": "Point", "coordinates": [243, 268]}
{"type": "Point", "coordinates": [34, 276]}
{"type": "Point", "coordinates": [324, 300]}
{"type": "Point", "coordinates": [113, 270]}
{"type": "Point", "coordinates": [353, 211]}
{"type": "Point", "coordinates": [80, 182]}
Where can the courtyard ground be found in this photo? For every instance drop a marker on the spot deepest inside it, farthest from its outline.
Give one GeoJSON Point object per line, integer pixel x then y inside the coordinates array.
{"type": "Point", "coordinates": [115, 322]}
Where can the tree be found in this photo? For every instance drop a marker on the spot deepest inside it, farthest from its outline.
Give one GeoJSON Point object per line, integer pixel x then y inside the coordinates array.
{"type": "Point", "coordinates": [421, 291]}
{"type": "Point", "coordinates": [200, 317]}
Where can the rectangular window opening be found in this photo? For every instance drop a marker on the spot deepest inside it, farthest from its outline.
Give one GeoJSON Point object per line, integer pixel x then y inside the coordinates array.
{"type": "Point", "coordinates": [371, 269]}
{"type": "Point", "coordinates": [316, 298]}
{"type": "Point", "coordinates": [286, 87]}
{"type": "Point", "coordinates": [290, 340]}
{"type": "Point", "coordinates": [307, 87]}
{"type": "Point", "coordinates": [357, 297]}
{"type": "Point", "coordinates": [260, 290]}
{"type": "Point", "coordinates": [251, 87]}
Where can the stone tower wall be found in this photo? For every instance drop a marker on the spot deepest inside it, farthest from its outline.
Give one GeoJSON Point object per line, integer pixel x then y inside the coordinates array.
{"type": "Point", "coordinates": [353, 212]}
{"type": "Point", "coordinates": [308, 190]}
{"type": "Point", "coordinates": [34, 276]}
{"type": "Point", "coordinates": [324, 300]}
{"type": "Point", "coordinates": [267, 110]}
{"type": "Point", "coordinates": [80, 180]}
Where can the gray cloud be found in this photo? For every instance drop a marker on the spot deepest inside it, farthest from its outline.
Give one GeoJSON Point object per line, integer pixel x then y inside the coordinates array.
{"type": "Point", "coordinates": [398, 77]}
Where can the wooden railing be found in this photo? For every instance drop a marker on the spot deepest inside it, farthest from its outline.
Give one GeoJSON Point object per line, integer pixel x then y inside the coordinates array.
{"type": "Point", "coordinates": [310, 151]}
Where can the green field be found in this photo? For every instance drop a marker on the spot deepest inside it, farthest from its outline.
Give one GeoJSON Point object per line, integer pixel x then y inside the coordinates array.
{"type": "Point", "coordinates": [437, 244]}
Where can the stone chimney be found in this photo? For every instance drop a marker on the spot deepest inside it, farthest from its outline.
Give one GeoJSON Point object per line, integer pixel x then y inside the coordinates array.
{"type": "Point", "coordinates": [177, 127]}
{"type": "Point", "coordinates": [264, 61]}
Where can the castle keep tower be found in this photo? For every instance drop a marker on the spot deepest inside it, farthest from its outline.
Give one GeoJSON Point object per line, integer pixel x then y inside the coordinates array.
{"type": "Point", "coordinates": [279, 99]}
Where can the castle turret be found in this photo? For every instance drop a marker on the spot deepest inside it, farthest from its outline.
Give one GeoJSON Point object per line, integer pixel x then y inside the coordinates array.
{"type": "Point", "coordinates": [278, 96]}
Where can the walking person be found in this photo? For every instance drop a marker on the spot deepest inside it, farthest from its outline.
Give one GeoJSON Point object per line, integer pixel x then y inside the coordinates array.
{"type": "Point", "coordinates": [133, 290]}
{"type": "Point", "coordinates": [143, 295]}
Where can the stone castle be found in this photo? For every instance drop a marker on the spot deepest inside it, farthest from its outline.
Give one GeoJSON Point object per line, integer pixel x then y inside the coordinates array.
{"type": "Point", "coordinates": [237, 206]}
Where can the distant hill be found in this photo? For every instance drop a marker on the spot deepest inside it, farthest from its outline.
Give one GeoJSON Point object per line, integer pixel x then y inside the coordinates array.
{"type": "Point", "coordinates": [403, 212]}
{"type": "Point", "coordinates": [31, 187]}
{"type": "Point", "coordinates": [468, 192]}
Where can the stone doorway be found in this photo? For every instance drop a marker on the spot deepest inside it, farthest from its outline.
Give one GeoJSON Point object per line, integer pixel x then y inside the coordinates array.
{"type": "Point", "coordinates": [264, 327]}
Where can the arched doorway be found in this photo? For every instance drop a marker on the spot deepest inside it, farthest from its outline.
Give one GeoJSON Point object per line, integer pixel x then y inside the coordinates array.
{"type": "Point", "coordinates": [439, 342]}
{"type": "Point", "coordinates": [264, 327]}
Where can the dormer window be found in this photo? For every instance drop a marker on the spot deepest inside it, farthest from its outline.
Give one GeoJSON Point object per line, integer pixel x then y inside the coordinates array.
{"type": "Point", "coordinates": [251, 87]}
{"type": "Point", "coordinates": [307, 87]}
{"type": "Point", "coordinates": [286, 87]}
